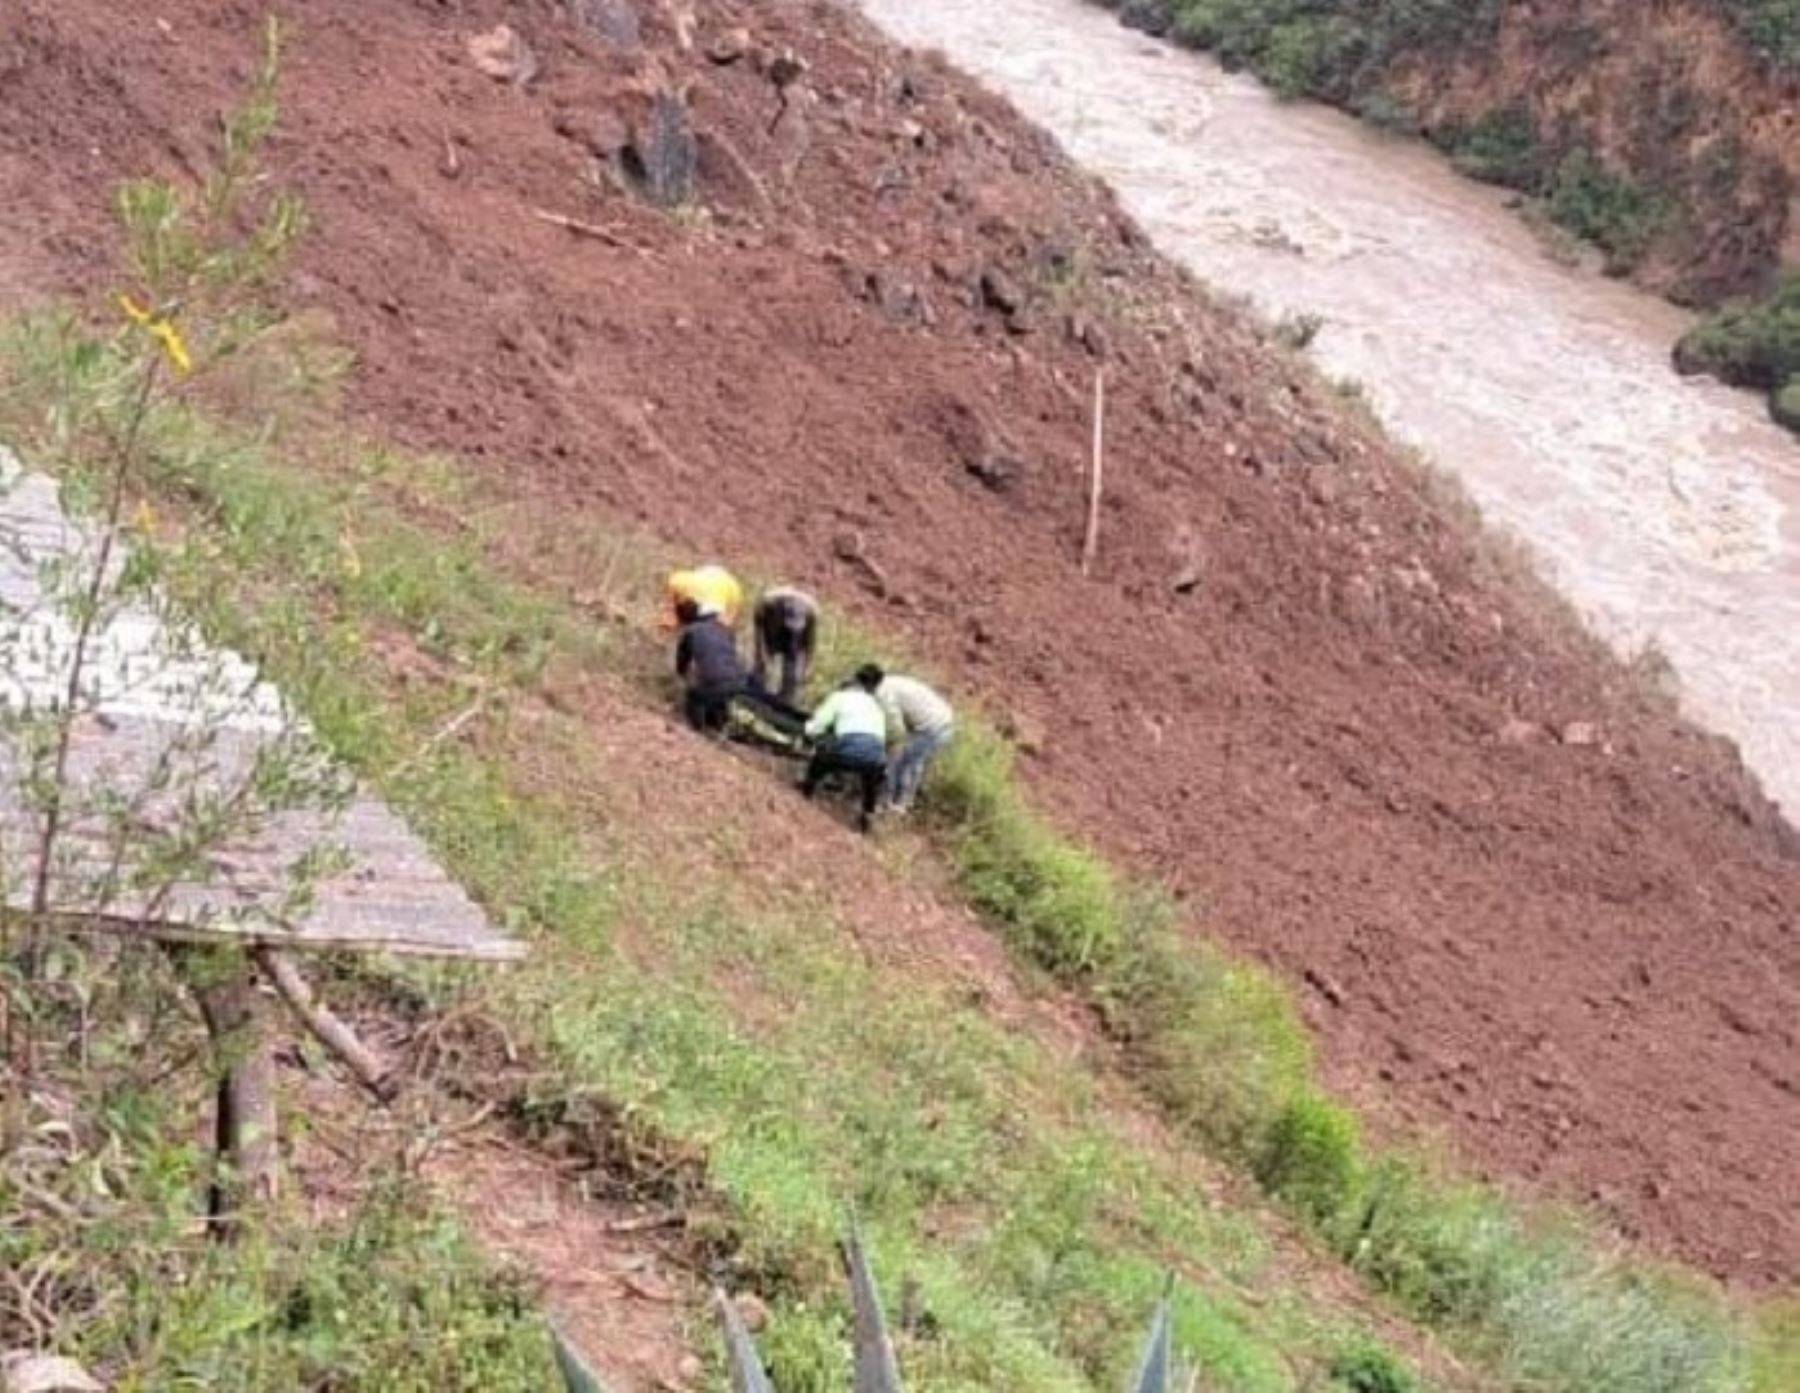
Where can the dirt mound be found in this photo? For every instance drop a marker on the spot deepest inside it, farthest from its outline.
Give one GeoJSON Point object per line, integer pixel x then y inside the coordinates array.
{"type": "Point", "coordinates": [1534, 910]}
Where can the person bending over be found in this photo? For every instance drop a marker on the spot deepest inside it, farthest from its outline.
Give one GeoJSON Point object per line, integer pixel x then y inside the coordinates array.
{"type": "Point", "coordinates": [786, 627]}
{"type": "Point", "coordinates": [707, 661]}
{"type": "Point", "coordinates": [924, 724]}
{"type": "Point", "coordinates": [851, 731]}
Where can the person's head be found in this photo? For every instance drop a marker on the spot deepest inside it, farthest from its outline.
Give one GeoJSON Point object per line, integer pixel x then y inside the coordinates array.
{"type": "Point", "coordinates": [686, 612]}
{"type": "Point", "coordinates": [869, 676]}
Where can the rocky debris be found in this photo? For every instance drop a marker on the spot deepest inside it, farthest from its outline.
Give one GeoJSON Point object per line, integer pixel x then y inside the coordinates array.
{"type": "Point", "coordinates": [606, 136]}
{"type": "Point", "coordinates": [663, 155]}
{"type": "Point", "coordinates": [994, 472]}
{"type": "Point", "coordinates": [503, 55]}
{"type": "Point", "coordinates": [730, 47]}
{"type": "Point", "coordinates": [615, 21]}
{"type": "Point", "coordinates": [901, 301]}
{"type": "Point", "coordinates": [1089, 335]}
{"type": "Point", "coordinates": [1581, 735]}
{"type": "Point", "coordinates": [1325, 986]}
{"type": "Point", "coordinates": [998, 292]}
{"type": "Point", "coordinates": [1518, 732]}
{"type": "Point", "coordinates": [1153, 17]}
{"type": "Point", "coordinates": [1025, 731]}
{"type": "Point", "coordinates": [784, 69]}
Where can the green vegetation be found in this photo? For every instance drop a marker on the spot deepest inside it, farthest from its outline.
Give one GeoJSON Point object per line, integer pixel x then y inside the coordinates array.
{"type": "Point", "coordinates": [1327, 50]}
{"type": "Point", "coordinates": [1753, 345]}
{"type": "Point", "coordinates": [1500, 148]}
{"type": "Point", "coordinates": [1616, 214]}
{"type": "Point", "coordinates": [108, 1266]}
{"type": "Point", "coordinates": [1370, 1369]}
{"type": "Point", "coordinates": [1773, 26]}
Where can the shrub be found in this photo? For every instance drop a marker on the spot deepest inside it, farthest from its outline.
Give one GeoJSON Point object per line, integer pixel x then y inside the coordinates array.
{"type": "Point", "coordinates": [1500, 148]}
{"type": "Point", "coordinates": [1311, 1158]}
{"type": "Point", "coordinates": [1786, 405]}
{"type": "Point", "coordinates": [1370, 1369]}
{"type": "Point", "coordinates": [1753, 344]}
{"type": "Point", "coordinates": [1614, 213]}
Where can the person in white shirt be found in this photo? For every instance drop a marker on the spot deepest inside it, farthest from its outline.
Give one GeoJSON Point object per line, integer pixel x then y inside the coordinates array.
{"type": "Point", "coordinates": [923, 724]}
{"type": "Point", "coordinates": [850, 729]}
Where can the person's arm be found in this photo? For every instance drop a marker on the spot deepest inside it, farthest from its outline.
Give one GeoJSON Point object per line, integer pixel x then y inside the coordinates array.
{"type": "Point", "coordinates": [684, 653]}
{"type": "Point", "coordinates": [824, 719]}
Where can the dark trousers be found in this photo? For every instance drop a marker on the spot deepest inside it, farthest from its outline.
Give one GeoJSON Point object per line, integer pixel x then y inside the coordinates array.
{"type": "Point", "coordinates": [870, 771]}
{"type": "Point", "coordinates": [788, 641]}
{"type": "Point", "coordinates": [708, 709]}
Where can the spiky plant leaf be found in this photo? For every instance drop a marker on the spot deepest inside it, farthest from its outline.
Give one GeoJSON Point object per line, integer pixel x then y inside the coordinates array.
{"type": "Point", "coordinates": [747, 1374]}
{"type": "Point", "coordinates": [1154, 1367]}
{"type": "Point", "coordinates": [578, 1377]}
{"type": "Point", "coordinates": [877, 1371]}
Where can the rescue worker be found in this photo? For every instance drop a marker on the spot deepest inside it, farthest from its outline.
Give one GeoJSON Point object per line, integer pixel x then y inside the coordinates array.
{"type": "Point", "coordinates": [923, 724]}
{"type": "Point", "coordinates": [712, 589]}
{"type": "Point", "coordinates": [706, 659]}
{"type": "Point", "coordinates": [850, 729]}
{"type": "Point", "coordinates": [785, 628]}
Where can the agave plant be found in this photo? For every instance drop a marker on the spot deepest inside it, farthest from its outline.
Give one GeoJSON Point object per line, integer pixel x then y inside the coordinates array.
{"type": "Point", "coordinates": [877, 1370]}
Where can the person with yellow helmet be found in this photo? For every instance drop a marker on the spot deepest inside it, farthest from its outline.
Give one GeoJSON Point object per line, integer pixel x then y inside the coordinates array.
{"type": "Point", "coordinates": [712, 590]}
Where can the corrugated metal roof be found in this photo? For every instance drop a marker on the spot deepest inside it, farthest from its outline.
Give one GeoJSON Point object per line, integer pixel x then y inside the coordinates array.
{"type": "Point", "coordinates": [171, 731]}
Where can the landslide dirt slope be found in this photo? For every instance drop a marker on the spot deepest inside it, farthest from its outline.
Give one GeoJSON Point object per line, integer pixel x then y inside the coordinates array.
{"type": "Point", "coordinates": [1294, 688]}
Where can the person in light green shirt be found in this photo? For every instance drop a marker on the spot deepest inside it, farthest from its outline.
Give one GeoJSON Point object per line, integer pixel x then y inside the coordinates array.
{"type": "Point", "coordinates": [850, 729]}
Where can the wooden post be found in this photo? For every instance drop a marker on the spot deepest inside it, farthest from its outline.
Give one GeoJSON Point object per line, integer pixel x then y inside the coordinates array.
{"type": "Point", "coordinates": [245, 1121]}
{"type": "Point", "coordinates": [1096, 475]}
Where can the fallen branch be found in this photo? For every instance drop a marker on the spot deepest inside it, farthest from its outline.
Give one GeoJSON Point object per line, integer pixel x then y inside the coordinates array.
{"type": "Point", "coordinates": [586, 229]}
{"type": "Point", "coordinates": [325, 1027]}
{"type": "Point", "coordinates": [644, 1223]}
{"type": "Point", "coordinates": [1096, 476]}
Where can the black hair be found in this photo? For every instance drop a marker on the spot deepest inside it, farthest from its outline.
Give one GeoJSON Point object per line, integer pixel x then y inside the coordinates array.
{"type": "Point", "coordinates": [869, 676]}
{"type": "Point", "coordinates": [686, 611]}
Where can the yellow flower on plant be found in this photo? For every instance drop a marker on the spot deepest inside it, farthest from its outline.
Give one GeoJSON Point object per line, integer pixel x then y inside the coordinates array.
{"type": "Point", "coordinates": [165, 333]}
{"type": "Point", "coordinates": [144, 519]}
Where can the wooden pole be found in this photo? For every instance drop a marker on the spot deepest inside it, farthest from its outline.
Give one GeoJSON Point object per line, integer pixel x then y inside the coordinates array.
{"type": "Point", "coordinates": [245, 1121]}
{"type": "Point", "coordinates": [325, 1026]}
{"type": "Point", "coordinates": [1096, 475]}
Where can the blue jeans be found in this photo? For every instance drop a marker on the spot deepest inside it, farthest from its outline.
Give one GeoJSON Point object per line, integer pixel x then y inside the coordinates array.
{"type": "Point", "coordinates": [907, 771]}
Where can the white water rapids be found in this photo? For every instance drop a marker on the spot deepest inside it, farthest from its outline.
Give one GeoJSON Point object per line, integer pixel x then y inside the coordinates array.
{"type": "Point", "coordinates": [1668, 511]}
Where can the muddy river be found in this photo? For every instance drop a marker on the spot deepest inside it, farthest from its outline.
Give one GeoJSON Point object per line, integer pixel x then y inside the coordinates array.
{"type": "Point", "coordinates": [1668, 511]}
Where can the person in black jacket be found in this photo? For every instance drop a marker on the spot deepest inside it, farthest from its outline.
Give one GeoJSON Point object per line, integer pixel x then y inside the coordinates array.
{"type": "Point", "coordinates": [707, 661]}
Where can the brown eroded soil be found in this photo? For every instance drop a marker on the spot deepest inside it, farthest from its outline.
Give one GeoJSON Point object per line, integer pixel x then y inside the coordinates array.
{"type": "Point", "coordinates": [1296, 687]}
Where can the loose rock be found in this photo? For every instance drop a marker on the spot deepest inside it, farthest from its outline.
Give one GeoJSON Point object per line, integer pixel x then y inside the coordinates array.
{"type": "Point", "coordinates": [998, 291]}
{"type": "Point", "coordinates": [730, 47]}
{"type": "Point", "coordinates": [616, 21]}
{"type": "Point", "coordinates": [503, 55]}
{"type": "Point", "coordinates": [663, 154]}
